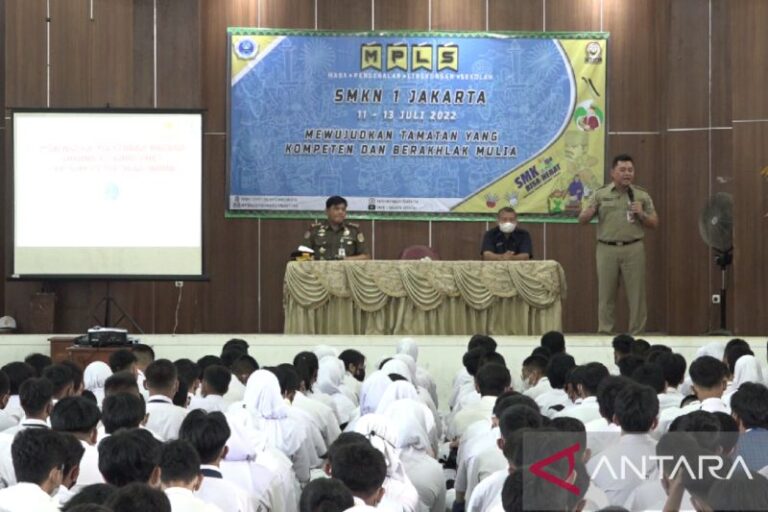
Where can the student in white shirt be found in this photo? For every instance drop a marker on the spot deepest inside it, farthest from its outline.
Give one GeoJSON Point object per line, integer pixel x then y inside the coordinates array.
{"type": "Point", "coordinates": [62, 379]}
{"type": "Point", "coordinates": [39, 457]}
{"type": "Point", "coordinates": [242, 368]}
{"type": "Point", "coordinates": [80, 416]}
{"type": "Point", "coordinates": [73, 451]}
{"type": "Point", "coordinates": [491, 380]}
{"type": "Point", "coordinates": [215, 384]}
{"type": "Point", "coordinates": [6, 420]}
{"type": "Point", "coordinates": [138, 496]}
{"type": "Point", "coordinates": [653, 376]}
{"type": "Point", "coordinates": [362, 469]}
{"type": "Point", "coordinates": [557, 399]}
{"type": "Point", "coordinates": [590, 376]}
{"type": "Point", "coordinates": [129, 456]}
{"type": "Point", "coordinates": [325, 494]}
{"type": "Point", "coordinates": [17, 372]}
{"type": "Point", "coordinates": [36, 398]}
{"type": "Point", "coordinates": [636, 412]}
{"type": "Point", "coordinates": [180, 477]}
{"type": "Point", "coordinates": [354, 364]}
{"type": "Point", "coordinates": [123, 360]}
{"type": "Point", "coordinates": [162, 383]}
{"type": "Point", "coordinates": [208, 434]}
{"type": "Point", "coordinates": [121, 382]}
{"type": "Point", "coordinates": [145, 356]}
{"type": "Point", "coordinates": [189, 376]}
{"type": "Point", "coordinates": [534, 376]}
{"type": "Point", "coordinates": [603, 432]}
{"type": "Point", "coordinates": [674, 366]}
{"type": "Point", "coordinates": [464, 377]}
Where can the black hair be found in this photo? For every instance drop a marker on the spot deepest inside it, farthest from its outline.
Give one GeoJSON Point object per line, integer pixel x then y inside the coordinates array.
{"type": "Point", "coordinates": [121, 382]}
{"type": "Point", "coordinates": [734, 350]}
{"type": "Point", "coordinates": [537, 362]}
{"type": "Point", "coordinates": [606, 394]}
{"type": "Point", "coordinates": [334, 200]}
{"type": "Point", "coordinates": [384, 361]}
{"type": "Point", "coordinates": [244, 364]}
{"type": "Point", "coordinates": [729, 432]}
{"type": "Point", "coordinates": [361, 467]}
{"type": "Point", "coordinates": [17, 373]}
{"type": "Point", "coordinates": [144, 352]}
{"type": "Point", "coordinates": [509, 399]}
{"type": "Point", "coordinates": [516, 417]}
{"type": "Point", "coordinates": [492, 379]}
{"type": "Point", "coordinates": [542, 351]}
{"type": "Point", "coordinates": [592, 374]}
{"type": "Point", "coordinates": [472, 359]}
{"type": "Point", "coordinates": [88, 395]}
{"type": "Point", "coordinates": [73, 452]}
{"type": "Point", "coordinates": [703, 426]}
{"type": "Point", "coordinates": [622, 157]}
{"type": "Point", "coordinates": [651, 375]}
{"type": "Point", "coordinates": [557, 369]}
{"type": "Point", "coordinates": [576, 429]}
{"type": "Point", "coordinates": [217, 378]}
{"type": "Point", "coordinates": [636, 408]}
{"type": "Point", "coordinates": [161, 374]}
{"type": "Point", "coordinates": [750, 404]}
{"type": "Point", "coordinates": [121, 360]}
{"type": "Point", "coordinates": [739, 493]}
{"type": "Point", "coordinates": [394, 377]}
{"type": "Point", "coordinates": [35, 394]}
{"type": "Point", "coordinates": [493, 358]}
{"type": "Point", "coordinates": [178, 461]}
{"type": "Point", "coordinates": [39, 362]}
{"type": "Point", "coordinates": [325, 495]}
{"type": "Point", "coordinates": [554, 341]}
{"type": "Point", "coordinates": [641, 347]}
{"type": "Point", "coordinates": [482, 341]}
{"type": "Point", "coordinates": [95, 494]}
{"type": "Point", "coordinates": [209, 360]}
{"type": "Point", "coordinates": [352, 357]}
{"type": "Point", "coordinates": [306, 365]}
{"type": "Point", "coordinates": [181, 397]}
{"type": "Point", "coordinates": [628, 364]}
{"type": "Point", "coordinates": [707, 372]}
{"type": "Point", "coordinates": [128, 456]}
{"type": "Point", "coordinates": [344, 439]}
{"type": "Point", "coordinates": [76, 371]}
{"type": "Point", "coordinates": [35, 452]}
{"type": "Point", "coordinates": [138, 496]}
{"type": "Point", "coordinates": [673, 366]}
{"type": "Point", "coordinates": [287, 378]}
{"type": "Point", "coordinates": [75, 414]}
{"type": "Point", "coordinates": [677, 446]}
{"type": "Point", "coordinates": [238, 343]}
{"type": "Point", "coordinates": [623, 344]}
{"type": "Point", "coordinates": [122, 410]}
{"type": "Point", "coordinates": [60, 376]}
{"type": "Point", "coordinates": [87, 507]}
{"type": "Point", "coordinates": [655, 351]}
{"type": "Point", "coordinates": [188, 371]}
{"type": "Point", "coordinates": [230, 355]}
{"type": "Point", "coordinates": [5, 383]}
{"type": "Point", "coordinates": [206, 432]}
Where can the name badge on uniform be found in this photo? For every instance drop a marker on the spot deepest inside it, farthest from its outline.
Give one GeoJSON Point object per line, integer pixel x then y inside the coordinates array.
{"type": "Point", "coordinates": [342, 253]}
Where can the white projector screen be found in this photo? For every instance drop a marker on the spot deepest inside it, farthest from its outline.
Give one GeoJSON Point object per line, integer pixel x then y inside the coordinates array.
{"type": "Point", "coordinates": [107, 193]}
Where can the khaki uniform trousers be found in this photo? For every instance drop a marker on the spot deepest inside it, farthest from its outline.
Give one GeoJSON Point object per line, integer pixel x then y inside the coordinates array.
{"type": "Point", "coordinates": [628, 263]}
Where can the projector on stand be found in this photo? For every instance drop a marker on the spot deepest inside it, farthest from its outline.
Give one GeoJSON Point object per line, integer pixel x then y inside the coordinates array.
{"type": "Point", "coordinates": [104, 337]}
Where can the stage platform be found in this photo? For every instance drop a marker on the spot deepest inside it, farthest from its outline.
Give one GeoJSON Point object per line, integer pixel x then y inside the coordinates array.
{"type": "Point", "coordinates": [441, 355]}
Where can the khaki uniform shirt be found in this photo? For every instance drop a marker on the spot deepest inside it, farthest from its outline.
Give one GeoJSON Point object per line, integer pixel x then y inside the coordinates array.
{"type": "Point", "coordinates": [612, 212]}
{"type": "Point", "coordinates": [327, 242]}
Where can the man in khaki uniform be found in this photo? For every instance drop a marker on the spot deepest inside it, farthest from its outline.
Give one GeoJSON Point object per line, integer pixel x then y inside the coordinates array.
{"type": "Point", "coordinates": [336, 239]}
{"type": "Point", "coordinates": [623, 211]}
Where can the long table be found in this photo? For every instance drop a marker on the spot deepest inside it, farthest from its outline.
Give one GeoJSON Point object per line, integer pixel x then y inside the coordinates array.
{"type": "Point", "coordinates": [423, 297]}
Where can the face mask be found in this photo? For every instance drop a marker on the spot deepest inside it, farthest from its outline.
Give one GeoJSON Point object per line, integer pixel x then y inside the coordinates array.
{"type": "Point", "coordinates": [507, 227]}
{"type": "Point", "coordinates": [360, 375]}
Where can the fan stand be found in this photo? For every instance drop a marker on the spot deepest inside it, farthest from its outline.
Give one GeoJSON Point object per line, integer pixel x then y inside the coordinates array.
{"type": "Point", "coordinates": [723, 260]}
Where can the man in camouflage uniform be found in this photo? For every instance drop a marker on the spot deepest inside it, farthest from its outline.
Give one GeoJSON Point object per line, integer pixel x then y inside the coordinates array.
{"type": "Point", "coordinates": [623, 211]}
{"type": "Point", "coordinates": [336, 239]}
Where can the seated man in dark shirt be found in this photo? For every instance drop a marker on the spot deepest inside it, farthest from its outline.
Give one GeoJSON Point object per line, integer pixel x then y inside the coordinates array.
{"type": "Point", "coordinates": [506, 241]}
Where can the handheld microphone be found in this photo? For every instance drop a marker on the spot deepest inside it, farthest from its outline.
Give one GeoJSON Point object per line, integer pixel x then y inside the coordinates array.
{"type": "Point", "coordinates": [631, 194]}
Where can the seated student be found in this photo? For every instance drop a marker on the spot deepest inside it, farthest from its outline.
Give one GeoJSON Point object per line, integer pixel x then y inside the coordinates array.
{"type": "Point", "coordinates": [308, 366]}
{"type": "Point", "coordinates": [534, 376]}
{"type": "Point", "coordinates": [636, 412]}
{"type": "Point", "coordinates": [122, 411]}
{"type": "Point", "coordinates": [674, 366]}
{"type": "Point", "coordinates": [96, 494]}
{"type": "Point", "coordinates": [354, 364]}
{"type": "Point", "coordinates": [325, 495]}
{"type": "Point", "coordinates": [554, 341]}
{"type": "Point", "coordinates": [749, 407]}
{"type": "Point", "coordinates": [556, 400]}
{"type": "Point", "coordinates": [208, 434]}
{"type": "Point", "coordinates": [62, 379]}
{"type": "Point", "coordinates": [652, 375]}
{"type": "Point", "coordinates": [121, 382]}
{"type": "Point", "coordinates": [123, 360]}
{"type": "Point", "coordinates": [362, 469]}
{"type": "Point", "coordinates": [79, 416]}
{"type": "Point", "coordinates": [189, 375]}
{"type": "Point", "coordinates": [39, 362]}
{"type": "Point", "coordinates": [162, 383]}
{"type": "Point", "coordinates": [591, 375]}
{"type": "Point", "coordinates": [322, 416]}
{"type": "Point", "coordinates": [95, 377]}
{"type": "Point", "coordinates": [628, 364]}
{"type": "Point", "coordinates": [216, 379]}
{"type": "Point", "coordinates": [6, 420]}
{"type": "Point", "coordinates": [463, 380]}
{"type": "Point", "coordinates": [180, 477]}
{"type": "Point", "coordinates": [622, 347]}
{"type": "Point", "coordinates": [17, 373]}
{"type": "Point", "coordinates": [491, 380]}
{"type": "Point", "coordinates": [422, 379]}
{"type": "Point", "coordinates": [242, 368]}
{"type": "Point", "coordinates": [138, 496]}
{"type": "Point", "coordinates": [36, 398]}
{"type": "Point", "coordinates": [330, 379]}
{"type": "Point", "coordinates": [467, 393]}
{"type": "Point", "coordinates": [38, 458]}
{"type": "Point", "coordinates": [71, 469]}
{"type": "Point", "coordinates": [128, 456]}
{"type": "Point", "coordinates": [145, 356]}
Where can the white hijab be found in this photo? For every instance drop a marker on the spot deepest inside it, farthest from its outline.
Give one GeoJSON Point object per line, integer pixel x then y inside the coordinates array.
{"type": "Point", "coordinates": [322, 351]}
{"type": "Point", "coordinates": [714, 349]}
{"type": "Point", "coordinates": [747, 369]}
{"type": "Point", "coordinates": [410, 362]}
{"type": "Point", "coordinates": [408, 346]}
{"type": "Point", "coordinates": [412, 419]}
{"type": "Point", "coordinates": [399, 390]}
{"type": "Point", "coordinates": [372, 390]}
{"type": "Point", "coordinates": [330, 378]}
{"type": "Point", "coordinates": [94, 378]}
{"type": "Point", "coordinates": [399, 367]}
